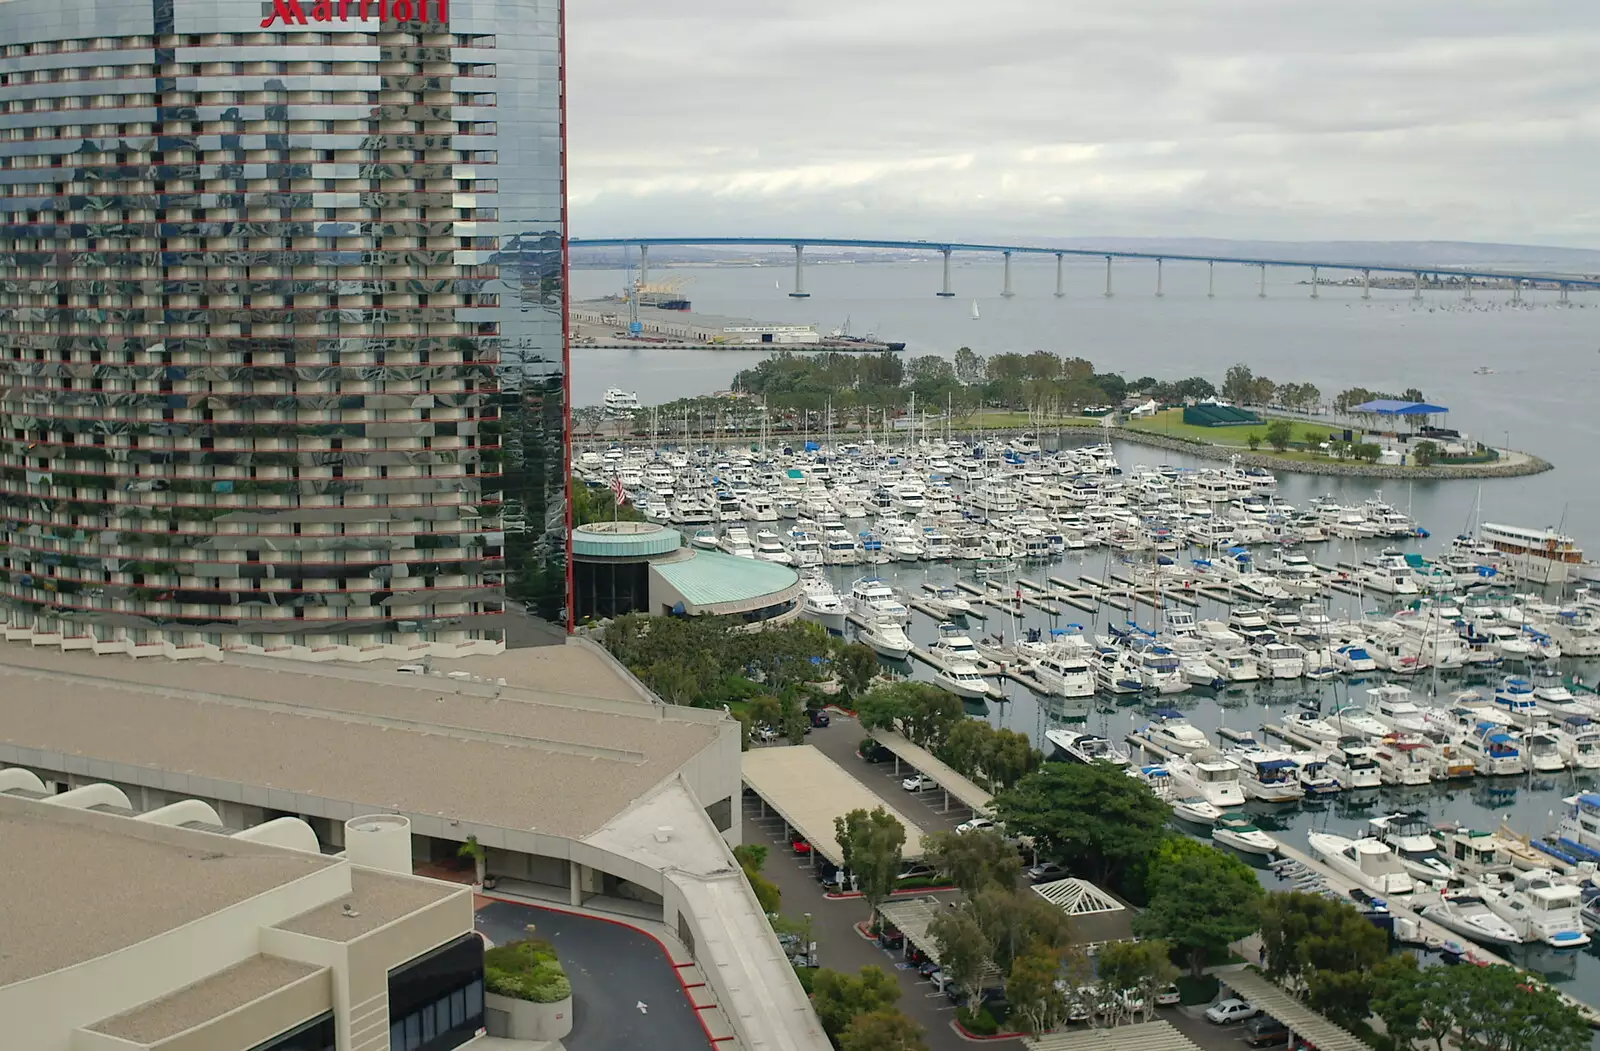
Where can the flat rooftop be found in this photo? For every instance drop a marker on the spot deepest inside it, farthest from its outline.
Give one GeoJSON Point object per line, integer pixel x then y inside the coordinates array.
{"type": "Point", "coordinates": [210, 998]}
{"type": "Point", "coordinates": [421, 744]}
{"type": "Point", "coordinates": [573, 670]}
{"type": "Point", "coordinates": [377, 898]}
{"type": "Point", "coordinates": [809, 790]}
{"type": "Point", "coordinates": [76, 885]}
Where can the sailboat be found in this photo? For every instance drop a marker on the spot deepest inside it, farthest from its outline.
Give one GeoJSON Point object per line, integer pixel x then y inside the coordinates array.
{"type": "Point", "coordinates": [974, 310]}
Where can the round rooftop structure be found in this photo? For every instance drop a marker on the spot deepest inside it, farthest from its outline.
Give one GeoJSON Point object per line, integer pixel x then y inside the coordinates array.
{"type": "Point", "coordinates": [624, 540]}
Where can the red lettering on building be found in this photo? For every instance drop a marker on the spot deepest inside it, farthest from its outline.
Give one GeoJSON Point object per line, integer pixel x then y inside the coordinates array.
{"type": "Point", "coordinates": [289, 12]}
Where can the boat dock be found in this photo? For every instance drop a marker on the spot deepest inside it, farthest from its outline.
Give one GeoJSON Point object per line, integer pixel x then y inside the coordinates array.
{"type": "Point", "coordinates": [928, 611]}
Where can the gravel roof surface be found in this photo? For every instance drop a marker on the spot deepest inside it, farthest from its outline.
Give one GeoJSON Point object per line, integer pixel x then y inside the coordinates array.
{"type": "Point", "coordinates": [205, 1000]}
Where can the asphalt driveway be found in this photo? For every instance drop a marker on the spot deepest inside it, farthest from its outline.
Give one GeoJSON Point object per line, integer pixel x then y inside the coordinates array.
{"type": "Point", "coordinates": [613, 970]}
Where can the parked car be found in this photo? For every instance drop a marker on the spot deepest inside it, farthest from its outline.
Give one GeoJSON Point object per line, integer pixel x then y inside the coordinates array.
{"type": "Point", "coordinates": [1265, 1031]}
{"type": "Point", "coordinates": [1169, 997]}
{"type": "Point", "coordinates": [918, 870]}
{"type": "Point", "coordinates": [1230, 1010]}
{"type": "Point", "coordinates": [975, 824]}
{"type": "Point", "coordinates": [764, 733]}
{"type": "Point", "coordinates": [1047, 870]}
{"type": "Point", "coordinates": [818, 716]}
{"type": "Point", "coordinates": [919, 783]}
{"type": "Point", "coordinates": [801, 847]}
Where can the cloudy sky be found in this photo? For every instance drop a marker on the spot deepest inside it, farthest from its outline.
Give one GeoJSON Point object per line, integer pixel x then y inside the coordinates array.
{"type": "Point", "coordinates": [1273, 119]}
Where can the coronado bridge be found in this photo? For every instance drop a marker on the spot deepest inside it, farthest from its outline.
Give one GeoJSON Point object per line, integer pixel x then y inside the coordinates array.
{"type": "Point", "coordinates": [1466, 276]}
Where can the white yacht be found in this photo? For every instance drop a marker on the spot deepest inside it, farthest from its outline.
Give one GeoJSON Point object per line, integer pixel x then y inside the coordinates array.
{"type": "Point", "coordinates": [1467, 914]}
{"type": "Point", "coordinates": [962, 679]}
{"type": "Point", "coordinates": [1169, 731]}
{"type": "Point", "coordinates": [1387, 573]}
{"type": "Point", "coordinates": [887, 637]}
{"type": "Point", "coordinates": [1368, 863]}
{"type": "Point", "coordinates": [1541, 750]}
{"type": "Point", "coordinates": [1351, 719]}
{"type": "Point", "coordinates": [839, 548]}
{"type": "Point", "coordinates": [1351, 762]}
{"type": "Point", "coordinates": [1218, 635]}
{"type": "Point", "coordinates": [757, 506]}
{"type": "Point", "coordinates": [1209, 774]}
{"type": "Point", "coordinates": [804, 549]}
{"type": "Point", "coordinates": [1271, 777]}
{"type": "Point", "coordinates": [1542, 556]}
{"type": "Point", "coordinates": [1194, 809]}
{"type": "Point", "coordinates": [1160, 670]}
{"type": "Point", "coordinates": [1403, 759]}
{"type": "Point", "coordinates": [1540, 907]}
{"type": "Point", "coordinates": [1408, 835]}
{"type": "Point", "coordinates": [1236, 831]}
{"type": "Point", "coordinates": [872, 599]}
{"type": "Point", "coordinates": [822, 604]}
{"type": "Point", "coordinates": [1579, 828]}
{"type": "Point", "coordinates": [736, 542]}
{"type": "Point", "coordinates": [619, 402]}
{"type": "Point", "coordinates": [1081, 747]}
{"type": "Point", "coordinates": [770, 549]}
{"type": "Point", "coordinates": [1354, 659]}
{"type": "Point", "coordinates": [1392, 706]}
{"type": "Point", "coordinates": [954, 646]}
{"type": "Point", "coordinates": [1234, 665]}
{"type": "Point", "coordinates": [1578, 738]}
{"type": "Point", "coordinates": [1064, 672]}
{"type": "Point", "coordinates": [1279, 660]}
{"type": "Point", "coordinates": [1494, 749]}
{"type": "Point", "coordinates": [946, 600]}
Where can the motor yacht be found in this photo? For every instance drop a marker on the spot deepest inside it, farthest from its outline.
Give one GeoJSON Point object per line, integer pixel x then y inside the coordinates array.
{"type": "Point", "coordinates": [1411, 839]}
{"type": "Point", "coordinates": [1279, 660]}
{"type": "Point", "coordinates": [1250, 624]}
{"type": "Point", "coordinates": [1403, 759]}
{"type": "Point", "coordinates": [757, 506]}
{"type": "Point", "coordinates": [1236, 831]}
{"type": "Point", "coordinates": [736, 542]}
{"type": "Point", "coordinates": [1352, 762]}
{"type": "Point", "coordinates": [1540, 907]}
{"type": "Point", "coordinates": [1387, 574]}
{"type": "Point", "coordinates": [1467, 914]}
{"type": "Point", "coordinates": [1234, 665]}
{"type": "Point", "coordinates": [1081, 747]}
{"type": "Point", "coordinates": [1315, 774]}
{"type": "Point", "coordinates": [1514, 698]}
{"type": "Point", "coordinates": [1271, 777]}
{"type": "Point", "coordinates": [1209, 774]}
{"type": "Point", "coordinates": [1392, 706]}
{"type": "Point", "coordinates": [1579, 827]}
{"type": "Point", "coordinates": [1115, 671]}
{"type": "Point", "coordinates": [1541, 750]}
{"type": "Point", "coordinates": [873, 599]}
{"type": "Point", "coordinates": [1307, 722]}
{"type": "Point", "coordinates": [1169, 731]}
{"type": "Point", "coordinates": [1578, 738]}
{"type": "Point", "coordinates": [822, 604]}
{"type": "Point", "coordinates": [954, 646]}
{"type": "Point", "coordinates": [1352, 719]}
{"type": "Point", "coordinates": [1195, 810]}
{"type": "Point", "coordinates": [1217, 635]}
{"type": "Point", "coordinates": [1064, 671]}
{"type": "Point", "coordinates": [1160, 669]}
{"type": "Point", "coordinates": [946, 600]}
{"type": "Point", "coordinates": [1493, 748]}
{"type": "Point", "coordinates": [839, 548]}
{"type": "Point", "coordinates": [1353, 659]}
{"type": "Point", "coordinates": [1474, 855]}
{"type": "Point", "coordinates": [888, 637]}
{"type": "Point", "coordinates": [963, 680]}
{"type": "Point", "coordinates": [770, 549]}
{"type": "Point", "coordinates": [804, 548]}
{"type": "Point", "coordinates": [1369, 863]}
{"type": "Point", "coordinates": [1319, 664]}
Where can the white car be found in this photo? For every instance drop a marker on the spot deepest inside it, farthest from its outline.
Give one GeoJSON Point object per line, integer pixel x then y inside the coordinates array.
{"type": "Point", "coordinates": [1169, 997]}
{"type": "Point", "coordinates": [1231, 1010]}
{"type": "Point", "coordinates": [919, 783]}
{"type": "Point", "coordinates": [975, 824]}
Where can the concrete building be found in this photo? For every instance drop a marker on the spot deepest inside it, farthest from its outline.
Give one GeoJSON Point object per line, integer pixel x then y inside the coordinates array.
{"type": "Point", "coordinates": [641, 567]}
{"type": "Point", "coordinates": [278, 281]}
{"type": "Point", "coordinates": [585, 790]}
{"type": "Point", "coordinates": [145, 932]}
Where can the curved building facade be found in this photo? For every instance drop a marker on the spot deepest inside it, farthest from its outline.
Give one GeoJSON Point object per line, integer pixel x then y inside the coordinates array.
{"type": "Point", "coordinates": [281, 323]}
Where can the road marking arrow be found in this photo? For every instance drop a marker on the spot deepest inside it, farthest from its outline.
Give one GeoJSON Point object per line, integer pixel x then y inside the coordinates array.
{"type": "Point", "coordinates": [642, 1008]}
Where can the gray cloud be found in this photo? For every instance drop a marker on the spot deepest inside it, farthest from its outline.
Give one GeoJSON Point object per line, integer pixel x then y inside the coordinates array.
{"type": "Point", "coordinates": [1470, 120]}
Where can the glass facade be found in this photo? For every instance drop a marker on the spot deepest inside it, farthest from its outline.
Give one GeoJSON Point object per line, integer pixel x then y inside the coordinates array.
{"type": "Point", "coordinates": [281, 323]}
{"type": "Point", "coordinates": [436, 1001]}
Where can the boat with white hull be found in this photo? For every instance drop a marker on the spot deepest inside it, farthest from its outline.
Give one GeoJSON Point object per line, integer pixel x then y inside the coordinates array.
{"type": "Point", "coordinates": [1411, 839]}
{"type": "Point", "coordinates": [1080, 747]}
{"type": "Point", "coordinates": [1540, 907]}
{"type": "Point", "coordinates": [1236, 831]}
{"type": "Point", "coordinates": [1271, 777]}
{"type": "Point", "coordinates": [888, 638]}
{"type": "Point", "coordinates": [1210, 775]}
{"type": "Point", "coordinates": [821, 603]}
{"type": "Point", "coordinates": [1368, 863]}
{"type": "Point", "coordinates": [1171, 732]}
{"type": "Point", "coordinates": [1468, 915]}
{"type": "Point", "coordinates": [962, 679]}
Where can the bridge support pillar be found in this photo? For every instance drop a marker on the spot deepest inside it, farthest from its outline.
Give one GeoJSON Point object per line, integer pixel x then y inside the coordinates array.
{"type": "Point", "coordinates": [1516, 292]}
{"type": "Point", "coordinates": [799, 274]}
{"type": "Point", "coordinates": [644, 264]}
{"type": "Point", "coordinates": [1314, 288]}
{"type": "Point", "coordinates": [1159, 290]}
{"type": "Point", "coordinates": [946, 293]}
{"type": "Point", "coordinates": [1466, 284]}
{"type": "Point", "coordinates": [1416, 285]}
{"type": "Point", "coordinates": [1564, 300]}
{"type": "Point", "coordinates": [1211, 280]}
{"type": "Point", "coordinates": [1262, 293]}
{"type": "Point", "coordinates": [1005, 282]}
{"type": "Point", "coordinates": [1061, 288]}
{"type": "Point", "coordinates": [1108, 277]}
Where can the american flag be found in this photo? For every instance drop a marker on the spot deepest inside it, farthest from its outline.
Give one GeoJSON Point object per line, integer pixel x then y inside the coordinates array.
{"type": "Point", "coordinates": [616, 490]}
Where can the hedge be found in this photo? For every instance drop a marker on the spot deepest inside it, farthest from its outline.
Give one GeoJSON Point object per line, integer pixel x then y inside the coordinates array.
{"type": "Point", "coordinates": [526, 970]}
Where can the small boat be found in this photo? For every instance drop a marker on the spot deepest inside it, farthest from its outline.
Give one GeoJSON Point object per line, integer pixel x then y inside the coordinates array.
{"type": "Point", "coordinates": [1368, 863]}
{"type": "Point", "coordinates": [1195, 810]}
{"type": "Point", "coordinates": [963, 680]}
{"type": "Point", "coordinates": [946, 600]}
{"type": "Point", "coordinates": [975, 314]}
{"type": "Point", "coordinates": [704, 539]}
{"type": "Point", "coordinates": [1085, 747]}
{"type": "Point", "coordinates": [1209, 774]}
{"type": "Point", "coordinates": [1236, 831]}
{"type": "Point", "coordinates": [1469, 915]}
{"type": "Point", "coordinates": [1354, 659]}
{"type": "Point", "coordinates": [888, 638]}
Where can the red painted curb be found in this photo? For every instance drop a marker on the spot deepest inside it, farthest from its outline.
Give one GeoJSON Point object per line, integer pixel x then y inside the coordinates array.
{"type": "Point", "coordinates": [846, 895]}
{"type": "Point", "coordinates": [967, 1034]}
{"type": "Point", "coordinates": [677, 968]}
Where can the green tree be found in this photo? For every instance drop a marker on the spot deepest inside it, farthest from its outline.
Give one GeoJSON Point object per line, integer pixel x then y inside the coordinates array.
{"type": "Point", "coordinates": [1368, 451]}
{"type": "Point", "coordinates": [766, 711]}
{"type": "Point", "coordinates": [882, 1030]}
{"type": "Point", "coordinates": [1032, 992]}
{"type": "Point", "coordinates": [1093, 818]}
{"type": "Point", "coordinates": [1008, 756]}
{"type": "Point", "coordinates": [1238, 384]}
{"type": "Point", "coordinates": [1200, 899]}
{"type": "Point", "coordinates": [751, 857]}
{"type": "Point", "coordinates": [795, 721]}
{"type": "Point", "coordinates": [838, 997]}
{"type": "Point", "coordinates": [964, 946]}
{"type": "Point", "coordinates": [965, 745]}
{"type": "Point", "coordinates": [1424, 454]}
{"type": "Point", "coordinates": [1141, 968]}
{"type": "Point", "coordinates": [855, 664]}
{"type": "Point", "coordinates": [1278, 434]}
{"type": "Point", "coordinates": [921, 711]}
{"type": "Point", "coordinates": [1303, 934]}
{"type": "Point", "coordinates": [1253, 440]}
{"type": "Point", "coordinates": [871, 844]}
{"type": "Point", "coordinates": [973, 860]}
{"type": "Point", "coordinates": [1262, 391]}
{"type": "Point", "coordinates": [1195, 387]}
{"type": "Point", "coordinates": [1475, 1008]}
{"type": "Point", "coordinates": [970, 368]}
{"type": "Point", "coordinates": [1411, 394]}
{"type": "Point", "coordinates": [1013, 920]}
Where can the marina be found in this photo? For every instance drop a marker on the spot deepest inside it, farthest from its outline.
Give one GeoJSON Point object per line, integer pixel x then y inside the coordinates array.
{"type": "Point", "coordinates": [1122, 602]}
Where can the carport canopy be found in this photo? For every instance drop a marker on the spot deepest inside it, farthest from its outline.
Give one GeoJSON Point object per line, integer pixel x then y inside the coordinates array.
{"type": "Point", "coordinates": [808, 790]}
{"type": "Point", "coordinates": [911, 917]}
{"type": "Point", "coordinates": [1145, 1036]}
{"type": "Point", "coordinates": [1301, 1020]}
{"type": "Point", "coordinates": [954, 784]}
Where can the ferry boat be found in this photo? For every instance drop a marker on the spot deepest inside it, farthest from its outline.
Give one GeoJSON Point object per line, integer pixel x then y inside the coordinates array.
{"type": "Point", "coordinates": [1369, 863]}
{"type": "Point", "coordinates": [1542, 556]}
{"type": "Point", "coordinates": [1084, 747]}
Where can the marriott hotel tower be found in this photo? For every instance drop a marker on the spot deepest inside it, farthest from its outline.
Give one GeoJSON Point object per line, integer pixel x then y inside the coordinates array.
{"type": "Point", "coordinates": [282, 351]}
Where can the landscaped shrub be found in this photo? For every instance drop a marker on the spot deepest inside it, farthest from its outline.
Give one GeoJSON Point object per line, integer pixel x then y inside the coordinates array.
{"type": "Point", "coordinates": [526, 970]}
{"type": "Point", "coordinates": [979, 1022]}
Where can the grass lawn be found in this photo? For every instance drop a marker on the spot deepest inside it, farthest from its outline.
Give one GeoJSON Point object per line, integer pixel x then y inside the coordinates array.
{"type": "Point", "coordinates": [1170, 421]}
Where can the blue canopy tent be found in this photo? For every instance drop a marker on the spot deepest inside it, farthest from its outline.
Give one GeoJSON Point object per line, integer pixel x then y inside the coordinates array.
{"type": "Point", "coordinates": [1390, 407]}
